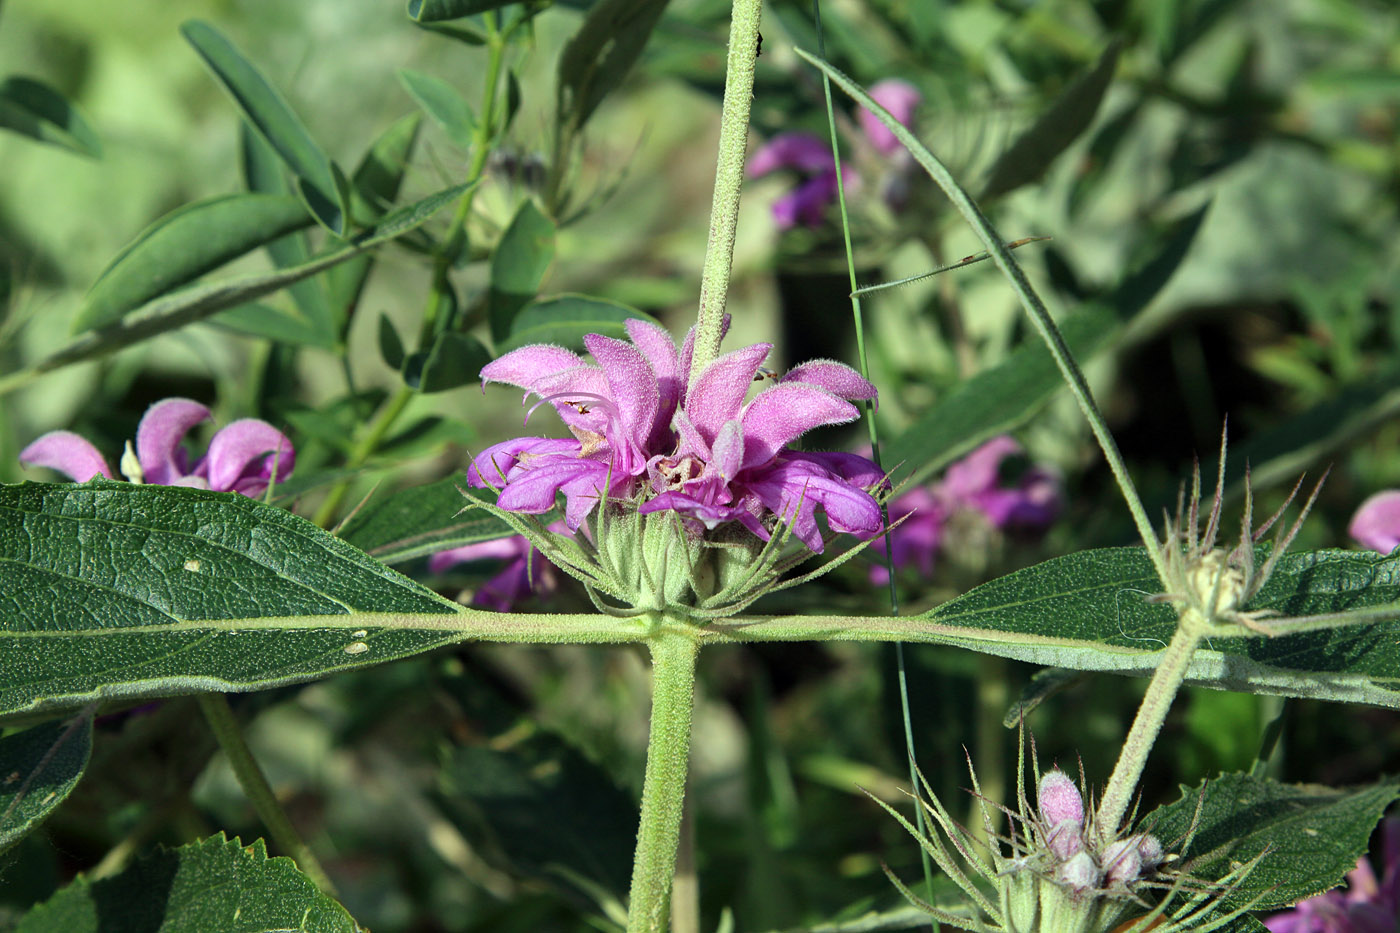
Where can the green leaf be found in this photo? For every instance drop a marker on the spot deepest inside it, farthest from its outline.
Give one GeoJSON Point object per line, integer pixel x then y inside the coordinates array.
{"type": "Point", "coordinates": [441, 101]}
{"type": "Point", "coordinates": [502, 796]}
{"type": "Point", "coordinates": [318, 180]}
{"type": "Point", "coordinates": [455, 360]}
{"type": "Point", "coordinates": [1312, 835]}
{"type": "Point", "coordinates": [199, 302]}
{"type": "Point", "coordinates": [284, 326]}
{"type": "Point", "coordinates": [1052, 132]}
{"type": "Point", "coordinates": [214, 886]}
{"type": "Point", "coordinates": [32, 108]}
{"type": "Point", "coordinates": [390, 346]}
{"type": "Point", "coordinates": [431, 11]}
{"type": "Point", "coordinates": [565, 319]}
{"type": "Point", "coordinates": [182, 246]}
{"type": "Point", "coordinates": [599, 56]}
{"type": "Point", "coordinates": [518, 265]}
{"type": "Point", "coordinates": [117, 591]}
{"type": "Point", "coordinates": [38, 769]}
{"type": "Point", "coordinates": [422, 520]}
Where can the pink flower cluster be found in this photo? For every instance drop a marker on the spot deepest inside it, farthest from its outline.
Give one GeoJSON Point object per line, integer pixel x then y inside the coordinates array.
{"type": "Point", "coordinates": [1368, 905]}
{"type": "Point", "coordinates": [640, 432]}
{"type": "Point", "coordinates": [242, 456]}
{"type": "Point", "coordinates": [811, 158]}
{"type": "Point", "coordinates": [972, 484]}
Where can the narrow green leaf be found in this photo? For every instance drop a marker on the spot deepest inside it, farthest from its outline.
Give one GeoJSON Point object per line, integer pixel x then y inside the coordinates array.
{"type": "Point", "coordinates": [32, 108]}
{"type": "Point", "coordinates": [1052, 132]}
{"type": "Point", "coordinates": [318, 180]}
{"type": "Point", "coordinates": [441, 101]}
{"type": "Point", "coordinates": [455, 360]}
{"type": "Point", "coordinates": [421, 520]}
{"type": "Point", "coordinates": [183, 245]}
{"type": "Point", "coordinates": [390, 346]}
{"type": "Point", "coordinates": [432, 11]}
{"type": "Point", "coordinates": [39, 767]}
{"type": "Point", "coordinates": [281, 325]}
{"type": "Point", "coordinates": [599, 56]}
{"type": "Point", "coordinates": [1311, 835]}
{"type": "Point", "coordinates": [214, 886]}
{"type": "Point", "coordinates": [518, 265]}
{"type": "Point", "coordinates": [199, 302]}
{"type": "Point", "coordinates": [565, 319]}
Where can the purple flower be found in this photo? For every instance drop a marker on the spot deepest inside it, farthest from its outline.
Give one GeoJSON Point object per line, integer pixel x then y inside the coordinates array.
{"type": "Point", "coordinates": [1367, 905]}
{"type": "Point", "coordinates": [641, 434]}
{"type": "Point", "coordinates": [525, 571]}
{"type": "Point", "coordinates": [240, 458]}
{"type": "Point", "coordinates": [810, 157]}
{"type": "Point", "coordinates": [1377, 523]}
{"type": "Point", "coordinates": [971, 484]}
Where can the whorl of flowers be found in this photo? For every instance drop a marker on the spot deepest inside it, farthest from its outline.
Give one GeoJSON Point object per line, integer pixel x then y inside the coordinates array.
{"type": "Point", "coordinates": [243, 457]}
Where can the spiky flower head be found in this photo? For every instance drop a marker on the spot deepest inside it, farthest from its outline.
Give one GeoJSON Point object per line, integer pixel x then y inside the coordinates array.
{"type": "Point", "coordinates": [1055, 872]}
{"type": "Point", "coordinates": [1214, 584]}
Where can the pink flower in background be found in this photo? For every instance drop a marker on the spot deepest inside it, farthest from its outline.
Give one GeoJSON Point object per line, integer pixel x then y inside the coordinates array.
{"type": "Point", "coordinates": [240, 458]}
{"type": "Point", "coordinates": [525, 571]}
{"type": "Point", "coordinates": [1368, 905]}
{"type": "Point", "coordinates": [810, 157]}
{"type": "Point", "coordinates": [1377, 523]}
{"type": "Point", "coordinates": [641, 432]}
{"type": "Point", "coordinates": [971, 484]}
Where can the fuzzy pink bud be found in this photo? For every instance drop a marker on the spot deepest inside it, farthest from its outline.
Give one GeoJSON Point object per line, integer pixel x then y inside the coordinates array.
{"type": "Point", "coordinates": [1066, 839]}
{"type": "Point", "coordinates": [1122, 862]}
{"type": "Point", "coordinates": [1149, 851]}
{"type": "Point", "coordinates": [1079, 873]}
{"type": "Point", "coordinates": [1059, 799]}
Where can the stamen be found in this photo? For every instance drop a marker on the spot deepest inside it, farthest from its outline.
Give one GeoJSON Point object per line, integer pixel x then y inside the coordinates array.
{"type": "Point", "coordinates": [577, 403]}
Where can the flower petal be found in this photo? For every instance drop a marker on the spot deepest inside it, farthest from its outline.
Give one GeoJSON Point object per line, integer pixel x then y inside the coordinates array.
{"type": "Point", "coordinates": [901, 99]}
{"type": "Point", "coordinates": [634, 389]}
{"type": "Point", "coordinates": [853, 468]}
{"type": "Point", "coordinates": [807, 203]}
{"type": "Point", "coordinates": [233, 450]}
{"type": "Point", "coordinates": [1377, 522]}
{"type": "Point", "coordinates": [533, 489]}
{"type": "Point", "coordinates": [526, 366]}
{"type": "Point", "coordinates": [978, 471]}
{"type": "Point", "coordinates": [660, 350]}
{"type": "Point", "coordinates": [68, 453]}
{"type": "Point", "coordinates": [836, 378]}
{"type": "Point", "coordinates": [719, 392]}
{"type": "Point", "coordinates": [514, 546]}
{"type": "Point", "coordinates": [158, 438]}
{"type": "Point", "coordinates": [786, 411]}
{"type": "Point", "coordinates": [805, 152]}
{"type": "Point", "coordinates": [728, 457]}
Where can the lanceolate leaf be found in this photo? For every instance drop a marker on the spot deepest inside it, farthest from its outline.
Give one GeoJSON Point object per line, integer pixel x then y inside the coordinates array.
{"type": "Point", "coordinates": [443, 103]}
{"type": "Point", "coordinates": [183, 245]}
{"type": "Point", "coordinates": [1053, 130]}
{"type": "Point", "coordinates": [1311, 835]}
{"type": "Point", "coordinates": [600, 54]}
{"type": "Point", "coordinates": [215, 886]}
{"type": "Point", "coordinates": [421, 520]}
{"type": "Point", "coordinates": [32, 108]}
{"type": "Point", "coordinates": [518, 265]}
{"type": "Point", "coordinates": [38, 769]}
{"type": "Point", "coordinates": [1090, 611]}
{"type": "Point", "coordinates": [565, 319]}
{"type": "Point", "coordinates": [432, 11]}
{"type": "Point", "coordinates": [114, 590]}
{"type": "Point", "coordinates": [199, 302]}
{"type": "Point", "coordinates": [318, 180]}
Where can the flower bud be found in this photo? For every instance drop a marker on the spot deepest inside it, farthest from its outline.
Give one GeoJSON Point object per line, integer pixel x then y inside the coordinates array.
{"type": "Point", "coordinates": [1059, 799]}
{"type": "Point", "coordinates": [1079, 873]}
{"type": "Point", "coordinates": [1122, 862]}
{"type": "Point", "coordinates": [1065, 839]}
{"type": "Point", "coordinates": [1150, 851]}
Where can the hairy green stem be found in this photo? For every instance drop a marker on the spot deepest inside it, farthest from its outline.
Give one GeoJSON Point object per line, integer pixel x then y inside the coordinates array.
{"type": "Point", "coordinates": [729, 179]}
{"type": "Point", "coordinates": [663, 790]}
{"type": "Point", "coordinates": [1152, 712]}
{"type": "Point", "coordinates": [254, 783]}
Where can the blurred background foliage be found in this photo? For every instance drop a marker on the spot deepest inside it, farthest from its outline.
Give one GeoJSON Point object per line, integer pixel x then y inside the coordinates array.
{"type": "Point", "coordinates": [491, 788]}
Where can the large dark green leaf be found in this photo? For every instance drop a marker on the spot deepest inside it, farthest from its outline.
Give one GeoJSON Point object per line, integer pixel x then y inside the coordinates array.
{"type": "Point", "coordinates": [518, 265]}
{"type": "Point", "coordinates": [565, 319]}
{"type": "Point", "coordinates": [319, 182]}
{"type": "Point", "coordinates": [599, 56]}
{"type": "Point", "coordinates": [1052, 132]}
{"type": "Point", "coordinates": [455, 360]}
{"type": "Point", "coordinates": [32, 108]}
{"type": "Point", "coordinates": [215, 886]}
{"type": "Point", "coordinates": [115, 590]}
{"type": "Point", "coordinates": [1311, 834]}
{"type": "Point", "coordinates": [38, 769]}
{"type": "Point", "coordinates": [421, 520]}
{"type": "Point", "coordinates": [183, 245]}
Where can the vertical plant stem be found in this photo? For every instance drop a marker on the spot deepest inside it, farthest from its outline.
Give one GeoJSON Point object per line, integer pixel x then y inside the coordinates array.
{"type": "Point", "coordinates": [663, 790]}
{"type": "Point", "coordinates": [685, 890]}
{"type": "Point", "coordinates": [1152, 712]}
{"type": "Point", "coordinates": [729, 179]}
{"type": "Point", "coordinates": [254, 783]}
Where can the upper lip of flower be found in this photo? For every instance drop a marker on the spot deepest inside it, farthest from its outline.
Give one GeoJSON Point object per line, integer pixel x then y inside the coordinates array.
{"type": "Point", "coordinates": [240, 457]}
{"type": "Point", "coordinates": [635, 423]}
